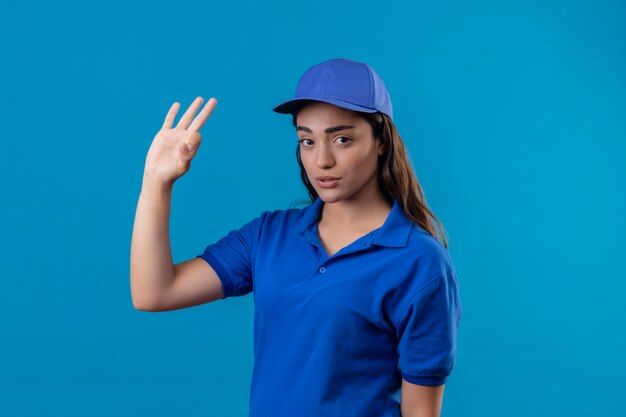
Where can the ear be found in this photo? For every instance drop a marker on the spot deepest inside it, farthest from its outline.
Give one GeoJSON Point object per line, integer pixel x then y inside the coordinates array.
{"type": "Point", "coordinates": [380, 146]}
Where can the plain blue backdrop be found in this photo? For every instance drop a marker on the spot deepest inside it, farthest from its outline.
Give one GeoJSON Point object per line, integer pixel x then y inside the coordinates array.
{"type": "Point", "coordinates": [514, 114]}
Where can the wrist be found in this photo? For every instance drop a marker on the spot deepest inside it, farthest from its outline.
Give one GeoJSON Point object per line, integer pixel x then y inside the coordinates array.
{"type": "Point", "coordinates": [156, 190]}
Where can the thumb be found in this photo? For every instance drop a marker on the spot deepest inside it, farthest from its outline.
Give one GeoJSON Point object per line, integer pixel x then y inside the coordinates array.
{"type": "Point", "coordinates": [185, 151]}
{"type": "Point", "coordinates": [193, 142]}
{"type": "Point", "coordinates": [184, 162]}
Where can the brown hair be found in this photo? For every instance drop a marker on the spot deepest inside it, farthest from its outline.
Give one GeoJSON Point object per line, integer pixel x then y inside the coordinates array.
{"type": "Point", "coordinates": [396, 177]}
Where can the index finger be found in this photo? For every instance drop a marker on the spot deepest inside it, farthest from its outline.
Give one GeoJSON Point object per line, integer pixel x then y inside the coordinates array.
{"type": "Point", "coordinates": [202, 117]}
{"type": "Point", "coordinates": [171, 115]}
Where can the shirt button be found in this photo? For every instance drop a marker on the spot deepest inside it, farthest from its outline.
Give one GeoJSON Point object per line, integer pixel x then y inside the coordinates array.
{"type": "Point", "coordinates": [322, 270]}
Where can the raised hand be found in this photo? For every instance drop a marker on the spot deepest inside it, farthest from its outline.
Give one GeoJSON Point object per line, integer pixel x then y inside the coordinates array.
{"type": "Point", "coordinates": [172, 149]}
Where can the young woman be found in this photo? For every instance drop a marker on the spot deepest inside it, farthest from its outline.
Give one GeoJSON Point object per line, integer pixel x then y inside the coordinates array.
{"type": "Point", "coordinates": [356, 301]}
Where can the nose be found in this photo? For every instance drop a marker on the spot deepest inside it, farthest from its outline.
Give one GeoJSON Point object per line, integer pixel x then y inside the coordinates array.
{"type": "Point", "coordinates": [324, 157]}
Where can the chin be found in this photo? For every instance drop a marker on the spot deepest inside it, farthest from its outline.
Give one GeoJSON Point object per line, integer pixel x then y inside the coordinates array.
{"type": "Point", "coordinates": [332, 195]}
{"type": "Point", "coordinates": [329, 196]}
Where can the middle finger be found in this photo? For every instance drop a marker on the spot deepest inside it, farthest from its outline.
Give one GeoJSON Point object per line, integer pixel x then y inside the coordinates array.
{"type": "Point", "coordinates": [186, 119]}
{"type": "Point", "coordinates": [201, 118]}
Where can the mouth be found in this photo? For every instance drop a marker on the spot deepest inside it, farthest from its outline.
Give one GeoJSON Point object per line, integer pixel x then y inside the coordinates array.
{"type": "Point", "coordinates": [327, 181]}
{"type": "Point", "coordinates": [327, 178]}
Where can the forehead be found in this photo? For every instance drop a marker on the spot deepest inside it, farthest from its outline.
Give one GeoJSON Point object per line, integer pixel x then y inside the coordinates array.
{"type": "Point", "coordinates": [321, 114]}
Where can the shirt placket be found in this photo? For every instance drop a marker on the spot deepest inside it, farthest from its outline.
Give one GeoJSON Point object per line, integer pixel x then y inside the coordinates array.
{"type": "Point", "coordinates": [324, 262]}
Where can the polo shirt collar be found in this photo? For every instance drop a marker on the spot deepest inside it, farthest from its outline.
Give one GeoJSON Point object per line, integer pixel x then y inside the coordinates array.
{"type": "Point", "coordinates": [393, 233]}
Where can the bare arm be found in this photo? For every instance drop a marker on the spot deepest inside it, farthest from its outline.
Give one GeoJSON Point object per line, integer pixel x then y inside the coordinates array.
{"type": "Point", "coordinates": [156, 284]}
{"type": "Point", "coordinates": [151, 266]}
{"type": "Point", "coordinates": [421, 400]}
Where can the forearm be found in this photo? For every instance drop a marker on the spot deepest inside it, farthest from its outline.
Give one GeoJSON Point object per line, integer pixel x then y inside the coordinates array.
{"type": "Point", "coordinates": [420, 400]}
{"type": "Point", "coordinates": [151, 265]}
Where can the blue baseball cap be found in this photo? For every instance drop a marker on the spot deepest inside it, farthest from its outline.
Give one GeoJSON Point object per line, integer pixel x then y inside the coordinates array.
{"type": "Point", "coordinates": [344, 83]}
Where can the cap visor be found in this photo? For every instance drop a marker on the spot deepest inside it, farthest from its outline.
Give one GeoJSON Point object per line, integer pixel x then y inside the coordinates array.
{"type": "Point", "coordinates": [290, 106]}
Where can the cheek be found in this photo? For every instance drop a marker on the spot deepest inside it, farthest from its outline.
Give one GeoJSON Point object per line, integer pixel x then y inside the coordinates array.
{"type": "Point", "coordinates": [362, 159]}
{"type": "Point", "coordinates": [306, 161]}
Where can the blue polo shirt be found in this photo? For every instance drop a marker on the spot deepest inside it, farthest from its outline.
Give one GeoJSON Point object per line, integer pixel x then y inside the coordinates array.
{"type": "Point", "coordinates": [334, 336]}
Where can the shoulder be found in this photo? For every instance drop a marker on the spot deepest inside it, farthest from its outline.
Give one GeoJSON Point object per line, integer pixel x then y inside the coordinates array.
{"type": "Point", "coordinates": [430, 259]}
{"type": "Point", "coordinates": [285, 219]}
{"type": "Point", "coordinates": [268, 226]}
{"type": "Point", "coordinates": [432, 275]}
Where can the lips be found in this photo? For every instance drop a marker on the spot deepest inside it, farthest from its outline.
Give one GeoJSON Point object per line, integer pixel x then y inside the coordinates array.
{"type": "Point", "coordinates": [327, 181]}
{"type": "Point", "coordinates": [326, 178]}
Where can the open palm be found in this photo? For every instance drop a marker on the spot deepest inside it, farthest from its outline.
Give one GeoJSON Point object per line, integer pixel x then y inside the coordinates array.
{"type": "Point", "coordinates": [172, 149]}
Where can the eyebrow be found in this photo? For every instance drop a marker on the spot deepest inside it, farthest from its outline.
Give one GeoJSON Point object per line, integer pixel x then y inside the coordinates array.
{"type": "Point", "coordinates": [327, 130]}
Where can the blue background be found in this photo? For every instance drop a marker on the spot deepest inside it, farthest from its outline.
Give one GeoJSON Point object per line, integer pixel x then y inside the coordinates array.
{"type": "Point", "coordinates": [514, 117]}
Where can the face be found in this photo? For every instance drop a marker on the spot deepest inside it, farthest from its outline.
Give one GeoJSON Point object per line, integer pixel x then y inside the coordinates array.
{"type": "Point", "coordinates": [338, 143]}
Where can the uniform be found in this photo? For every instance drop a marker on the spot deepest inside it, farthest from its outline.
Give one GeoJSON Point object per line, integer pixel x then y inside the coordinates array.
{"type": "Point", "coordinates": [333, 336]}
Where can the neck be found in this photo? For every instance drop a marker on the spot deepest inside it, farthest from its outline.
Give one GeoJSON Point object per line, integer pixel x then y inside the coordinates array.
{"type": "Point", "coordinates": [366, 211]}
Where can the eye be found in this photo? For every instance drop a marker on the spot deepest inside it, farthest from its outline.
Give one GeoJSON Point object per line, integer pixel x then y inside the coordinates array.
{"type": "Point", "coordinates": [346, 138]}
{"type": "Point", "coordinates": [304, 142]}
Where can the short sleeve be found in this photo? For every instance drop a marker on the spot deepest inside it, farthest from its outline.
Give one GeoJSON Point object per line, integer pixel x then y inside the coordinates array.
{"type": "Point", "coordinates": [427, 330]}
{"type": "Point", "coordinates": [232, 257]}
